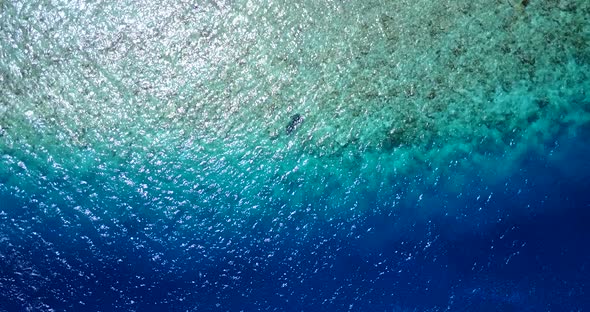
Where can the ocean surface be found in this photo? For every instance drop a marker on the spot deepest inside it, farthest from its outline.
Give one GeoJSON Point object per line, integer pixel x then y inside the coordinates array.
{"type": "Point", "coordinates": [344, 155]}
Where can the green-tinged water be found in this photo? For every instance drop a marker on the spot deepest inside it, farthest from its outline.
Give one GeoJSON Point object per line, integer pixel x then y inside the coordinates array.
{"type": "Point", "coordinates": [183, 105]}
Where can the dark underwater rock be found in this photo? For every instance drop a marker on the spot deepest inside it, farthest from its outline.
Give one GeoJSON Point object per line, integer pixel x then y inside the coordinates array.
{"type": "Point", "coordinates": [296, 120]}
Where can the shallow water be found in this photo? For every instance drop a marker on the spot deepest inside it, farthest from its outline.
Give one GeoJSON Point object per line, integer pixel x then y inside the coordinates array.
{"type": "Point", "coordinates": [150, 158]}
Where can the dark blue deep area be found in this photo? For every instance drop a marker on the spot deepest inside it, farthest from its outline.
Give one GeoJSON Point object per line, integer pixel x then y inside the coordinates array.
{"type": "Point", "coordinates": [527, 250]}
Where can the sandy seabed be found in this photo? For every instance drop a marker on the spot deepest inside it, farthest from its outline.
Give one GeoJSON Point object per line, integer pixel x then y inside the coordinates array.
{"type": "Point", "coordinates": [181, 105]}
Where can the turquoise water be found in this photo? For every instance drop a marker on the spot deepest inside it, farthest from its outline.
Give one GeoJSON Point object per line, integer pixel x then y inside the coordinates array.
{"type": "Point", "coordinates": [162, 127]}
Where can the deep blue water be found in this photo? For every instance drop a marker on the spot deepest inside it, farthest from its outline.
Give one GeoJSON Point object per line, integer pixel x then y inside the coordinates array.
{"type": "Point", "coordinates": [526, 250]}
